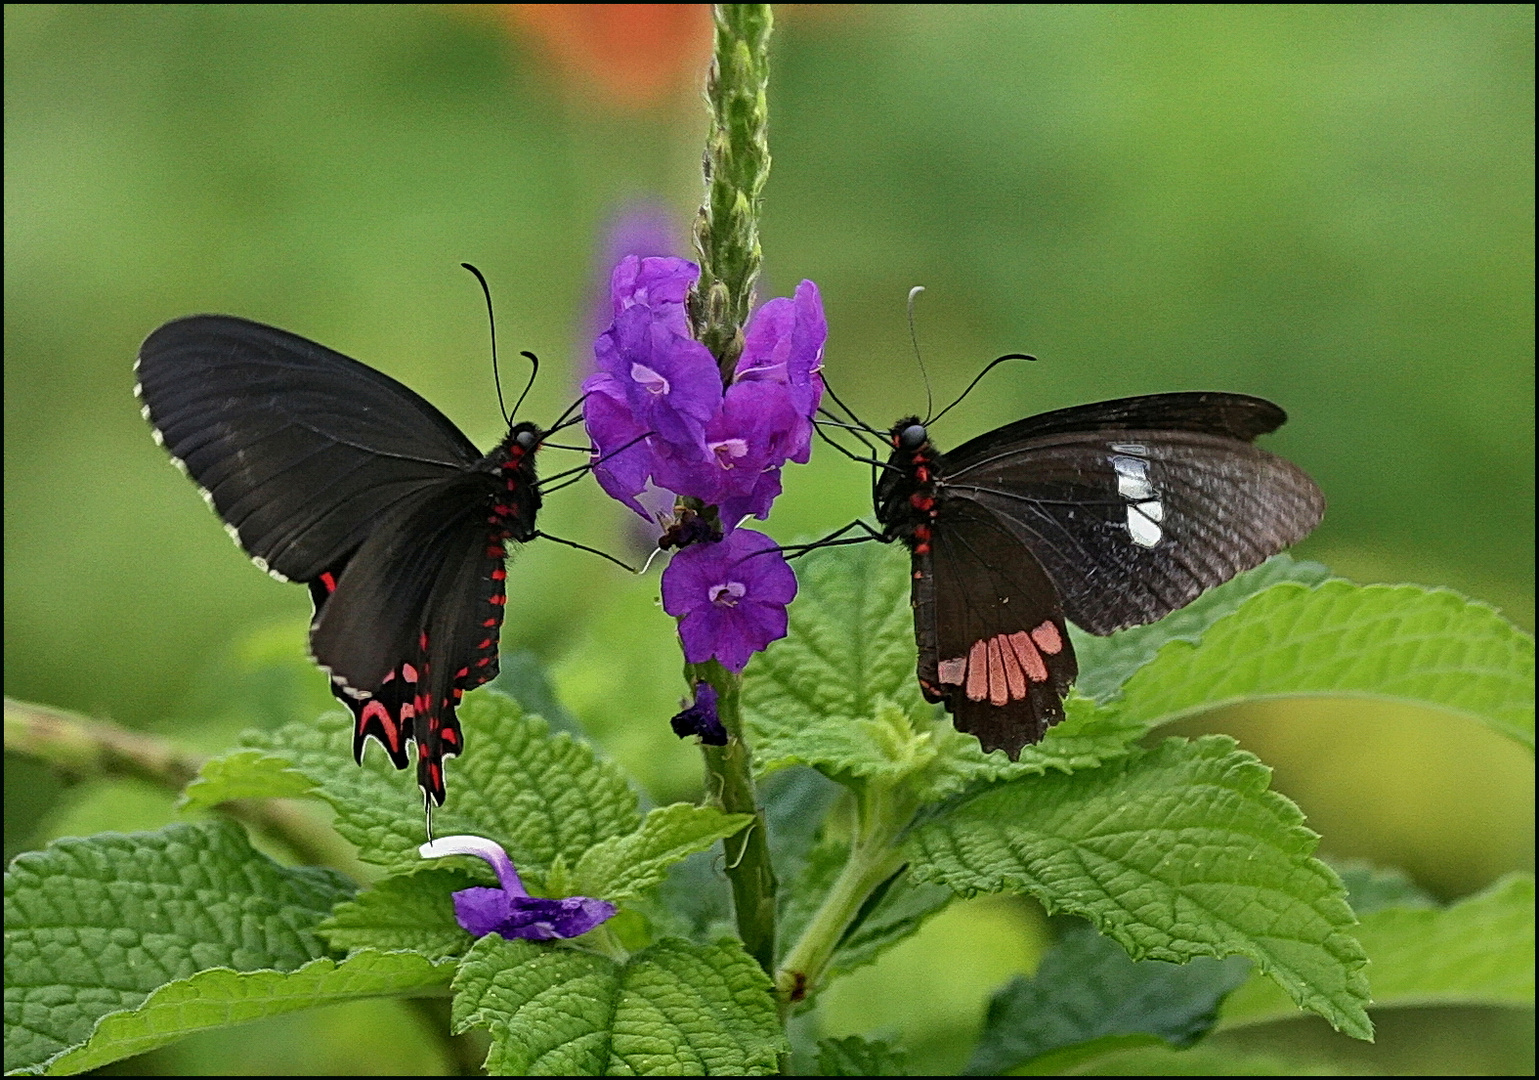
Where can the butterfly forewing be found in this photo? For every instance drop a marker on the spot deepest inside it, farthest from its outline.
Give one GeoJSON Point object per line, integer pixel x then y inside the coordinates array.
{"type": "Point", "coordinates": [1132, 525]}
{"type": "Point", "coordinates": [298, 448]}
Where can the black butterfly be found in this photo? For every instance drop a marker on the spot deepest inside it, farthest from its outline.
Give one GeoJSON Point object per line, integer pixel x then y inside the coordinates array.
{"type": "Point", "coordinates": [1110, 515]}
{"type": "Point", "coordinates": [331, 473]}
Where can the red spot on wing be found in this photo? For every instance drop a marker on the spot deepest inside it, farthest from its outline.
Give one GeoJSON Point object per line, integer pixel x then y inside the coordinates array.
{"type": "Point", "coordinates": [953, 671]}
{"type": "Point", "coordinates": [1031, 660]}
{"type": "Point", "coordinates": [1047, 638]}
{"type": "Point", "coordinates": [329, 581]}
{"type": "Point", "coordinates": [999, 692]}
{"type": "Point", "coordinates": [1015, 675]}
{"type": "Point", "coordinates": [499, 574]}
{"type": "Point", "coordinates": [978, 671]}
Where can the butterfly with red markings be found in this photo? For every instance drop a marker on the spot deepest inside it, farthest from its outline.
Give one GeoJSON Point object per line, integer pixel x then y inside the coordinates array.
{"type": "Point", "coordinates": [330, 473]}
{"type": "Point", "coordinates": [1108, 515]}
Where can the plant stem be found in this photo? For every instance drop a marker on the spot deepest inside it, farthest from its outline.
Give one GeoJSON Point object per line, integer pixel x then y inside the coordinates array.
{"type": "Point", "coordinates": [729, 786]}
{"type": "Point", "coordinates": [882, 813]}
{"type": "Point", "coordinates": [736, 164]}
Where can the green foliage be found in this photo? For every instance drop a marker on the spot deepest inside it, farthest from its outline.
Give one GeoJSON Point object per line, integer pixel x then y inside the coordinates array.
{"type": "Point", "coordinates": [542, 796]}
{"type": "Point", "coordinates": [1107, 662]}
{"type": "Point", "coordinates": [1427, 646]}
{"type": "Point", "coordinates": [1479, 951]}
{"type": "Point", "coordinates": [1175, 853]}
{"type": "Point", "coordinates": [675, 1009]}
{"type": "Point", "coordinates": [1088, 996]}
{"type": "Point", "coordinates": [412, 912]}
{"type": "Point", "coordinates": [622, 867]}
{"type": "Point", "coordinates": [854, 1056]}
{"type": "Point", "coordinates": [218, 997]}
{"type": "Point", "coordinates": [95, 925]}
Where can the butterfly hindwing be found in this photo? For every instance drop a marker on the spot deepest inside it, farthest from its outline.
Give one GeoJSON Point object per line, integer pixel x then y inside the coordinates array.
{"type": "Point", "coordinates": [413, 622]}
{"type": "Point", "coordinates": [990, 630]}
{"type": "Point", "coordinates": [298, 448]}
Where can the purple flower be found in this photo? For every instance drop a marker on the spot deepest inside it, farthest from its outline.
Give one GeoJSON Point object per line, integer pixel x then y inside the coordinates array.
{"type": "Point", "coordinates": [640, 227]}
{"type": "Point", "coordinates": [730, 597]}
{"type": "Point", "coordinates": [783, 347]}
{"type": "Point", "coordinates": [656, 409]}
{"type": "Point", "coordinates": [701, 718]}
{"type": "Point", "coordinates": [510, 910]}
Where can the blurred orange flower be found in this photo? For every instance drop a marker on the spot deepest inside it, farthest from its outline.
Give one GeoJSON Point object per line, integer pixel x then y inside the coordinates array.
{"type": "Point", "coordinates": [631, 56]}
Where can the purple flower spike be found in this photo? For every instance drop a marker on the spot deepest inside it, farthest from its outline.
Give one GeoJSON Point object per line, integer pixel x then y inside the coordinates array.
{"type": "Point", "coordinates": [510, 910]}
{"type": "Point", "coordinates": [730, 597]}
{"type": "Point", "coordinates": [701, 718]}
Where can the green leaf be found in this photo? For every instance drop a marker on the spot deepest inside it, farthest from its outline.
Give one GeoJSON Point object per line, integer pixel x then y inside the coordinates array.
{"type": "Point", "coordinates": [539, 795]}
{"type": "Point", "coordinates": [1105, 663]}
{"type": "Point", "coordinates": [854, 1056]}
{"type": "Point", "coordinates": [1176, 852]}
{"type": "Point", "coordinates": [673, 1009]}
{"type": "Point", "coordinates": [1427, 646]}
{"type": "Point", "coordinates": [220, 997]}
{"type": "Point", "coordinates": [1086, 991]}
{"type": "Point", "coordinates": [412, 911]}
{"type": "Point", "coordinates": [839, 693]}
{"type": "Point", "coordinates": [1479, 951]}
{"type": "Point", "coordinates": [94, 925]}
{"type": "Point", "coordinates": [245, 774]}
{"type": "Point", "coordinates": [624, 866]}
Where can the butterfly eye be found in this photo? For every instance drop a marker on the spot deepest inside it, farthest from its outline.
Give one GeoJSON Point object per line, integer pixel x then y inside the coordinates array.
{"type": "Point", "coordinates": [525, 439]}
{"type": "Point", "coordinates": [912, 437]}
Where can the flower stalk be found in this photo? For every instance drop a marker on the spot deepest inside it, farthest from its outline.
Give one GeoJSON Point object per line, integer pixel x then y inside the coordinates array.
{"type": "Point", "coordinates": [882, 813]}
{"type": "Point", "coordinates": [730, 787]}
{"type": "Point", "coordinates": [737, 162]}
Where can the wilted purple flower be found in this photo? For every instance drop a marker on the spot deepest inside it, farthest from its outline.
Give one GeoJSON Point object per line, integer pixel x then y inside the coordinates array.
{"type": "Point", "coordinates": [656, 409]}
{"type": "Point", "coordinates": [510, 910]}
{"type": "Point", "coordinates": [701, 718]}
{"type": "Point", "coordinates": [730, 597]}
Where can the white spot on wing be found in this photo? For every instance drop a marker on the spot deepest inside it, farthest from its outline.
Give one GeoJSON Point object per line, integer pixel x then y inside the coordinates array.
{"type": "Point", "coordinates": [1133, 478]}
{"type": "Point", "coordinates": [1131, 448]}
{"type": "Point", "coordinates": [1142, 527]}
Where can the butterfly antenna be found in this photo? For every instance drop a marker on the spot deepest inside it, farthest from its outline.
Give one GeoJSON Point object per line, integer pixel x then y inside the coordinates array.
{"type": "Point", "coordinates": [992, 364]}
{"type": "Point", "coordinates": [534, 369]}
{"type": "Point", "coordinates": [913, 337]}
{"type": "Point", "coordinates": [491, 321]}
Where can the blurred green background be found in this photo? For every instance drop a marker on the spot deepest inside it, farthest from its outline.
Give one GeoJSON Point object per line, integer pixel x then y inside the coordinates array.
{"type": "Point", "coordinates": [1328, 206]}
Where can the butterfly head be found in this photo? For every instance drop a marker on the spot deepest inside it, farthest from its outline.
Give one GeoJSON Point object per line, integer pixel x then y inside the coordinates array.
{"type": "Point", "coordinates": [909, 435]}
